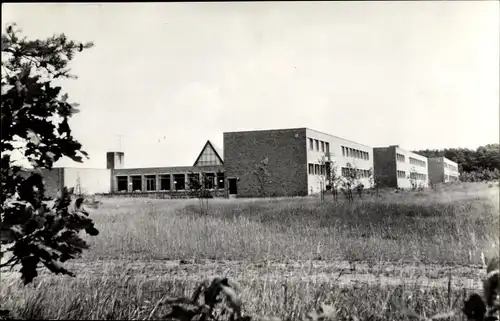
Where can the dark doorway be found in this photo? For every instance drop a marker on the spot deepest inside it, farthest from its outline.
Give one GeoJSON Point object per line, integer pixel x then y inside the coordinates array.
{"type": "Point", "coordinates": [233, 188]}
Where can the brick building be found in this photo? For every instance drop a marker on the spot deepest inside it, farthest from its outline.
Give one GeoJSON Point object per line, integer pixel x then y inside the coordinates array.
{"type": "Point", "coordinates": [296, 161]}
{"type": "Point", "coordinates": [397, 168]}
{"type": "Point", "coordinates": [442, 170]}
{"type": "Point", "coordinates": [279, 162]}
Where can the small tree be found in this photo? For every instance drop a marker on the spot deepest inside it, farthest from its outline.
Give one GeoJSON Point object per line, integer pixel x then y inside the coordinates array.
{"type": "Point", "coordinates": [198, 188]}
{"type": "Point", "coordinates": [332, 178]}
{"type": "Point", "coordinates": [262, 173]}
{"type": "Point", "coordinates": [350, 180]}
{"type": "Point", "coordinates": [413, 179]}
{"type": "Point", "coordinates": [374, 180]}
{"type": "Point", "coordinates": [33, 229]}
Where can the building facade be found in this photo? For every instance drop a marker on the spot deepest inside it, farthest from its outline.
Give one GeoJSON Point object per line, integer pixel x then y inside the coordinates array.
{"type": "Point", "coordinates": [399, 168]}
{"type": "Point", "coordinates": [174, 181]}
{"type": "Point", "coordinates": [289, 162]}
{"type": "Point", "coordinates": [442, 170]}
{"type": "Point", "coordinates": [278, 162]}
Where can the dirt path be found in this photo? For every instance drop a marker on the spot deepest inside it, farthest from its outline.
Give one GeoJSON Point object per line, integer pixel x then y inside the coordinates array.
{"type": "Point", "coordinates": [338, 272]}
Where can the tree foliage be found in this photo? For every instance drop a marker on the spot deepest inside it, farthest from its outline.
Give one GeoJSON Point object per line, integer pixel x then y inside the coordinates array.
{"type": "Point", "coordinates": [262, 174]}
{"type": "Point", "coordinates": [350, 180]}
{"type": "Point", "coordinates": [34, 124]}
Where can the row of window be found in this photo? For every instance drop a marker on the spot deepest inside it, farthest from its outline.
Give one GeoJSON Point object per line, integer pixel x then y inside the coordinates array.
{"type": "Point", "coordinates": [451, 178]}
{"type": "Point", "coordinates": [418, 176]}
{"type": "Point", "coordinates": [317, 169]}
{"type": "Point", "coordinates": [413, 175]}
{"type": "Point", "coordinates": [362, 173]}
{"type": "Point", "coordinates": [168, 182]}
{"type": "Point", "coordinates": [318, 145]}
{"type": "Point", "coordinates": [418, 162]}
{"type": "Point", "coordinates": [352, 152]}
{"type": "Point", "coordinates": [400, 157]}
{"type": "Point", "coordinates": [452, 167]}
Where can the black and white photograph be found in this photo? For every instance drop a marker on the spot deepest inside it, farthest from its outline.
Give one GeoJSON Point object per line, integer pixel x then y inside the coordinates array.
{"type": "Point", "coordinates": [250, 161]}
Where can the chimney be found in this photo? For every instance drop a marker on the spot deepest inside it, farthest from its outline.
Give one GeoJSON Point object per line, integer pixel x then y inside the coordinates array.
{"type": "Point", "coordinates": [115, 160]}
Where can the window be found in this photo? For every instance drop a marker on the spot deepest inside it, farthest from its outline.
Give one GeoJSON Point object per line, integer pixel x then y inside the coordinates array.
{"type": "Point", "coordinates": [347, 149]}
{"type": "Point", "coordinates": [322, 169]}
{"type": "Point", "coordinates": [311, 169]}
{"type": "Point", "coordinates": [165, 182]}
{"type": "Point", "coordinates": [317, 144]}
{"type": "Point", "coordinates": [327, 146]}
{"type": "Point", "coordinates": [316, 169]}
{"type": "Point", "coordinates": [311, 145]}
{"type": "Point", "coordinates": [220, 180]}
{"type": "Point", "coordinates": [346, 171]}
{"type": "Point", "coordinates": [150, 182]}
{"type": "Point", "coordinates": [421, 177]}
{"type": "Point", "coordinates": [194, 180]}
{"type": "Point", "coordinates": [122, 183]}
{"type": "Point", "coordinates": [343, 151]}
{"type": "Point", "coordinates": [209, 180]}
{"type": "Point", "coordinates": [136, 183]}
{"type": "Point", "coordinates": [418, 162]}
{"type": "Point", "coordinates": [328, 170]}
{"type": "Point", "coordinates": [401, 174]}
{"type": "Point", "coordinates": [323, 146]}
{"type": "Point", "coordinates": [179, 182]}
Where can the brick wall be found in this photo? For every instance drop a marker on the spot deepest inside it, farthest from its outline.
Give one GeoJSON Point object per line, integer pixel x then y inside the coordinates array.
{"type": "Point", "coordinates": [286, 153]}
{"type": "Point", "coordinates": [384, 163]}
{"type": "Point", "coordinates": [436, 170]}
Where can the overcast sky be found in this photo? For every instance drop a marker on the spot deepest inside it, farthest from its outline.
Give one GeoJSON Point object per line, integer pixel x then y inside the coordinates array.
{"type": "Point", "coordinates": [169, 76]}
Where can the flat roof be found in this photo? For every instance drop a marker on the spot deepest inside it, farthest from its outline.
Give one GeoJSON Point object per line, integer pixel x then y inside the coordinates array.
{"type": "Point", "coordinates": [297, 128]}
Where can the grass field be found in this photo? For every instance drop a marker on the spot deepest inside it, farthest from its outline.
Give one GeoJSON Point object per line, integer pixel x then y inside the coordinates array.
{"type": "Point", "coordinates": [287, 254]}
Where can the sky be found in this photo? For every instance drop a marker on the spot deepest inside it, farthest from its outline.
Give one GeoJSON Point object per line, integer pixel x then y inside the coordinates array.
{"type": "Point", "coordinates": [162, 78]}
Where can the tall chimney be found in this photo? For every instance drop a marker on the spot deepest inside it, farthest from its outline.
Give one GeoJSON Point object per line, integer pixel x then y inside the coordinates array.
{"type": "Point", "coordinates": [115, 160]}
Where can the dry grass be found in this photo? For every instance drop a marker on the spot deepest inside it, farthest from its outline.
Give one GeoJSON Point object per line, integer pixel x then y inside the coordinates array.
{"type": "Point", "coordinates": [134, 298]}
{"type": "Point", "coordinates": [448, 226]}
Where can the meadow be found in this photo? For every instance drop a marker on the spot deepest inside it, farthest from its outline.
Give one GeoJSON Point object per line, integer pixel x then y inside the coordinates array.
{"type": "Point", "coordinates": [368, 258]}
